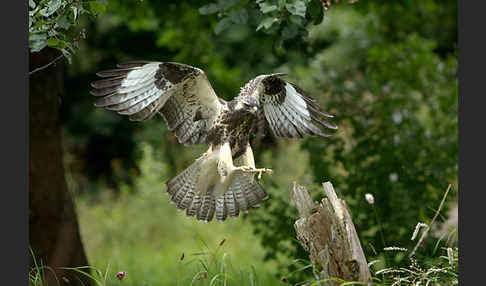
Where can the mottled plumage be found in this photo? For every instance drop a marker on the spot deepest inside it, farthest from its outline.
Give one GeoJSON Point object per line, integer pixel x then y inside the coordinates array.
{"type": "Point", "coordinates": [221, 182]}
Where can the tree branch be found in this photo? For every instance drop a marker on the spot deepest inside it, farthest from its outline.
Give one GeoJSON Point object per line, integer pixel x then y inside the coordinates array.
{"type": "Point", "coordinates": [46, 66]}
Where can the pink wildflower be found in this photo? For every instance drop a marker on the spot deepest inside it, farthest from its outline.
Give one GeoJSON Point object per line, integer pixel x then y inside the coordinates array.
{"type": "Point", "coordinates": [121, 274]}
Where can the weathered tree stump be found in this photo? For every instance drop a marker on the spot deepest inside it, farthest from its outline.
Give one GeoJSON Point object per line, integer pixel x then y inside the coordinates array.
{"type": "Point", "coordinates": [326, 231]}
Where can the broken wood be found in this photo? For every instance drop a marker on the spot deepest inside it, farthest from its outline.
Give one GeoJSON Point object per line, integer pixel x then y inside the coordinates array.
{"type": "Point", "coordinates": [326, 231]}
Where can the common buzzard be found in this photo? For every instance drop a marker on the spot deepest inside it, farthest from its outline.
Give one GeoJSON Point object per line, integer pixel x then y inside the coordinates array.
{"type": "Point", "coordinates": [222, 181]}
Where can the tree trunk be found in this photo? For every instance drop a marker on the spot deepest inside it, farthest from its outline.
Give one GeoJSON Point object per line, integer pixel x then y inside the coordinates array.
{"type": "Point", "coordinates": [326, 231]}
{"type": "Point", "coordinates": [53, 227]}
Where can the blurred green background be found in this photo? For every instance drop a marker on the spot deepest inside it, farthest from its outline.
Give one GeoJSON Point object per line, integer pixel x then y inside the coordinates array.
{"type": "Point", "coordinates": [387, 70]}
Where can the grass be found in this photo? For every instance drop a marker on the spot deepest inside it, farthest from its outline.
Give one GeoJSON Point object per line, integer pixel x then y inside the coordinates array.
{"type": "Point", "coordinates": [140, 232]}
{"type": "Point", "coordinates": [213, 267]}
{"type": "Point", "coordinates": [137, 231]}
{"type": "Point", "coordinates": [144, 235]}
{"type": "Point", "coordinates": [443, 271]}
{"type": "Point", "coordinates": [37, 272]}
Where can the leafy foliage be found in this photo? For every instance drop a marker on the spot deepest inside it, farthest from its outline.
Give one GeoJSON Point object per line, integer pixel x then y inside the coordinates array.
{"type": "Point", "coordinates": [51, 23]}
{"type": "Point", "coordinates": [285, 20]}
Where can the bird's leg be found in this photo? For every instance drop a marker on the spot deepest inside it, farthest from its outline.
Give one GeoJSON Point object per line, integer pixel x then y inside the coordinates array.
{"type": "Point", "coordinates": [260, 171]}
{"type": "Point", "coordinates": [225, 161]}
{"type": "Point", "coordinates": [246, 163]}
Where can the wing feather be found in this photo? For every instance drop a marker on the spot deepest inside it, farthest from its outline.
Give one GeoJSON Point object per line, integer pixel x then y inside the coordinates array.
{"type": "Point", "coordinates": [272, 119]}
{"type": "Point", "coordinates": [122, 106]}
{"type": "Point", "coordinates": [143, 102]}
{"type": "Point", "coordinates": [118, 98]}
{"type": "Point", "coordinates": [142, 89]}
{"type": "Point", "coordinates": [282, 122]}
{"type": "Point", "coordinates": [292, 122]}
{"type": "Point", "coordinates": [288, 111]}
{"type": "Point", "coordinates": [300, 122]}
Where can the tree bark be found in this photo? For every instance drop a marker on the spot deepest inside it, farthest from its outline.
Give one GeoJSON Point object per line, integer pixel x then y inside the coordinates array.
{"type": "Point", "coordinates": [53, 227]}
{"type": "Point", "coordinates": [326, 231]}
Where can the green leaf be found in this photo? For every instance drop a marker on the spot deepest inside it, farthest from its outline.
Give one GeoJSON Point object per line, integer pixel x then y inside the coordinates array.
{"type": "Point", "coordinates": [266, 8]}
{"type": "Point", "coordinates": [239, 16]}
{"type": "Point", "coordinates": [267, 23]}
{"type": "Point", "coordinates": [67, 55]}
{"type": "Point", "coordinates": [316, 12]}
{"type": "Point", "coordinates": [63, 23]}
{"type": "Point", "coordinates": [33, 12]}
{"type": "Point", "coordinates": [52, 32]}
{"type": "Point", "coordinates": [96, 7]}
{"type": "Point", "coordinates": [37, 37]}
{"type": "Point", "coordinates": [52, 42]}
{"type": "Point", "coordinates": [82, 10]}
{"type": "Point", "coordinates": [297, 8]}
{"type": "Point", "coordinates": [226, 4]}
{"type": "Point", "coordinates": [290, 32]}
{"type": "Point", "coordinates": [41, 25]}
{"type": "Point", "coordinates": [32, 4]}
{"type": "Point", "coordinates": [222, 25]}
{"type": "Point", "coordinates": [37, 42]}
{"type": "Point", "coordinates": [299, 21]}
{"type": "Point", "coordinates": [75, 12]}
{"type": "Point", "coordinates": [51, 8]}
{"type": "Point", "coordinates": [208, 9]}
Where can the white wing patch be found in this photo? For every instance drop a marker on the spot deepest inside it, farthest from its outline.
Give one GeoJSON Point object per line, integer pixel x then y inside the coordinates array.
{"type": "Point", "coordinates": [176, 91]}
{"type": "Point", "coordinates": [290, 113]}
{"type": "Point", "coordinates": [292, 98]}
{"type": "Point", "coordinates": [140, 76]}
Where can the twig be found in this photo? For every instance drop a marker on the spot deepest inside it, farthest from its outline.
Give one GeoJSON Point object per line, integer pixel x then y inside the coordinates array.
{"type": "Point", "coordinates": [46, 66]}
{"type": "Point", "coordinates": [426, 231]}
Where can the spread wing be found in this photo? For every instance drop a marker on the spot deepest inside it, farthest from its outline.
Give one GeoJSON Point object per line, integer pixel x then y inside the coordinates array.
{"type": "Point", "coordinates": [287, 110]}
{"type": "Point", "coordinates": [182, 94]}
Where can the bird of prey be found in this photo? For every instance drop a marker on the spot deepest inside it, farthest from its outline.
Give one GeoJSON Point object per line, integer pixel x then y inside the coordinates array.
{"type": "Point", "coordinates": [222, 181]}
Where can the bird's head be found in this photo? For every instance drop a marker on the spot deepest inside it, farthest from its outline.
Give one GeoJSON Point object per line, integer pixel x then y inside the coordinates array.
{"type": "Point", "coordinates": [247, 104]}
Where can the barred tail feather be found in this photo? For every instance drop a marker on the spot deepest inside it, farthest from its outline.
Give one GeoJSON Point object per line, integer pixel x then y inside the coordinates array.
{"type": "Point", "coordinates": [256, 192]}
{"type": "Point", "coordinates": [194, 206]}
{"type": "Point", "coordinates": [243, 193]}
{"type": "Point", "coordinates": [231, 205]}
{"type": "Point", "coordinates": [186, 201]}
{"type": "Point", "coordinates": [251, 196]}
{"type": "Point", "coordinates": [221, 211]}
{"type": "Point", "coordinates": [206, 211]}
{"type": "Point", "coordinates": [238, 190]}
{"type": "Point", "coordinates": [181, 189]}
